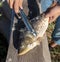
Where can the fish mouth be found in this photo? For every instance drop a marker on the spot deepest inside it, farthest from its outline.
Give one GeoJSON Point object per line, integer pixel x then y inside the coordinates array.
{"type": "Point", "coordinates": [28, 43]}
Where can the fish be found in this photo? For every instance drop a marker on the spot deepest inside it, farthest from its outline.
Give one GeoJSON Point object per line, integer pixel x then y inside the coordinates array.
{"type": "Point", "coordinates": [28, 40]}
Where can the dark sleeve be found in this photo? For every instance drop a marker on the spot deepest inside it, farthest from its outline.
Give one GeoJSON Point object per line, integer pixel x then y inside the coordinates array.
{"type": "Point", "coordinates": [59, 2]}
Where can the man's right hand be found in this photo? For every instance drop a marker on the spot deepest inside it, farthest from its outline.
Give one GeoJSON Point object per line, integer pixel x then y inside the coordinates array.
{"type": "Point", "coordinates": [15, 4]}
{"type": "Point", "coordinates": [53, 13]}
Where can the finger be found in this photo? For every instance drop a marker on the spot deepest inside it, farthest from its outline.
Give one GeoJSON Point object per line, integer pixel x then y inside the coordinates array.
{"type": "Point", "coordinates": [16, 6]}
{"type": "Point", "coordinates": [21, 4]}
{"type": "Point", "coordinates": [55, 17]}
{"type": "Point", "coordinates": [8, 1]}
{"type": "Point", "coordinates": [11, 3]}
{"type": "Point", "coordinates": [52, 19]}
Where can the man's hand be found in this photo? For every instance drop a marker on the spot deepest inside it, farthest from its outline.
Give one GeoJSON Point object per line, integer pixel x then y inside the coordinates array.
{"type": "Point", "coordinates": [15, 4]}
{"type": "Point", "coordinates": [53, 13]}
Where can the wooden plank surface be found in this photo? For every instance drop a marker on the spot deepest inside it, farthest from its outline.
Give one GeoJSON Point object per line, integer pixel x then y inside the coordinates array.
{"type": "Point", "coordinates": [38, 54]}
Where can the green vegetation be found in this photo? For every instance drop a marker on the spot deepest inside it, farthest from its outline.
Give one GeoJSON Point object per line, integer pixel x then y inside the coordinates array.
{"type": "Point", "coordinates": [55, 53]}
{"type": "Point", "coordinates": [0, 4]}
{"type": "Point", "coordinates": [0, 14]}
{"type": "Point", "coordinates": [0, 7]}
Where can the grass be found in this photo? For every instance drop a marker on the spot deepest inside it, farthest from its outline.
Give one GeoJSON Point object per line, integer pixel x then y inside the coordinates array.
{"type": "Point", "coordinates": [0, 7]}
{"type": "Point", "coordinates": [55, 53]}
{"type": "Point", "coordinates": [0, 4]}
{"type": "Point", "coordinates": [50, 30]}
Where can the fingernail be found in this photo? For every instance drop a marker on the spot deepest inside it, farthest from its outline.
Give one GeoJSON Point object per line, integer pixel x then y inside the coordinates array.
{"type": "Point", "coordinates": [21, 7]}
{"type": "Point", "coordinates": [10, 6]}
{"type": "Point", "coordinates": [16, 11]}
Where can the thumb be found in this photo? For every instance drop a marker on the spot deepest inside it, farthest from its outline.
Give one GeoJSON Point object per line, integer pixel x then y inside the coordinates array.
{"type": "Point", "coordinates": [21, 4]}
{"type": "Point", "coordinates": [47, 15]}
{"type": "Point", "coordinates": [52, 19]}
